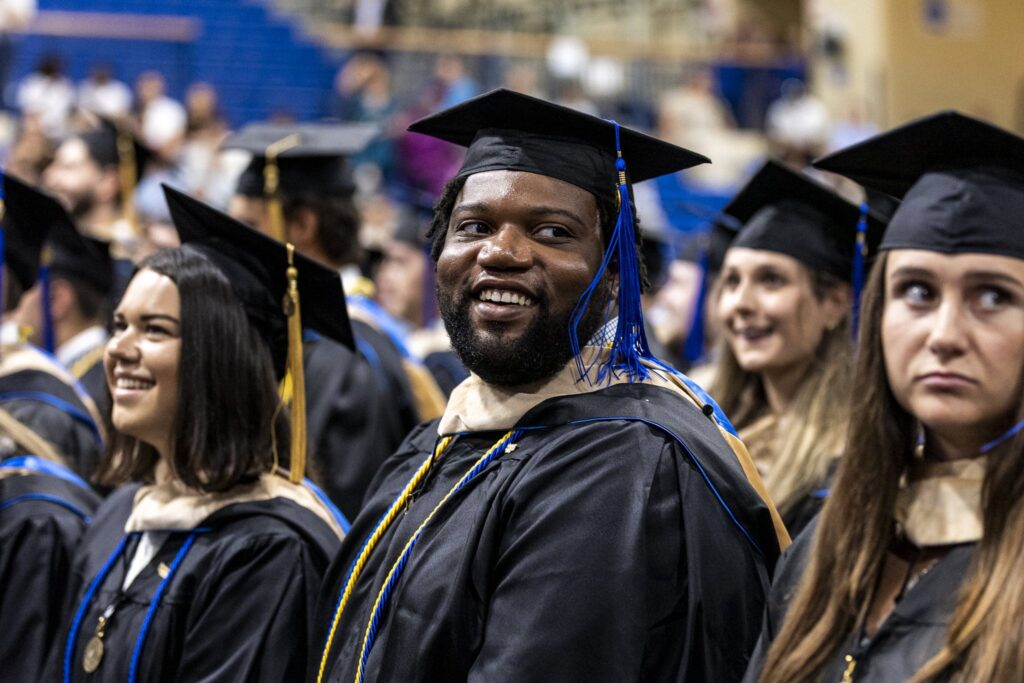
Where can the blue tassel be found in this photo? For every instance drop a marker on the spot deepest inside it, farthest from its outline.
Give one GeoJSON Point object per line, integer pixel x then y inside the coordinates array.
{"type": "Point", "coordinates": [693, 346]}
{"type": "Point", "coordinates": [860, 254]}
{"type": "Point", "coordinates": [629, 348]}
{"type": "Point", "coordinates": [3, 254]}
{"type": "Point", "coordinates": [49, 341]}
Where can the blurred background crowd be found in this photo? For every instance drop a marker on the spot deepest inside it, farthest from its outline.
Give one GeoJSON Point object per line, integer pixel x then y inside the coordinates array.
{"type": "Point", "coordinates": [737, 80]}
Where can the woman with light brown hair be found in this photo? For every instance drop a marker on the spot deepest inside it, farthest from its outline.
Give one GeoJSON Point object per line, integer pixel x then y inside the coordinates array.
{"type": "Point", "coordinates": [915, 569]}
{"type": "Point", "coordinates": [783, 305]}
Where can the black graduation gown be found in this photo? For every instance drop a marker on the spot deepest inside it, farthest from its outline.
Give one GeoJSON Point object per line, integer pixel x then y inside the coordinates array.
{"type": "Point", "coordinates": [237, 608]}
{"type": "Point", "coordinates": [911, 635]}
{"type": "Point", "coordinates": [54, 410]}
{"type": "Point", "coordinates": [352, 423]}
{"type": "Point", "coordinates": [94, 381]}
{"type": "Point", "coordinates": [386, 362]}
{"type": "Point", "coordinates": [42, 519]}
{"type": "Point", "coordinates": [597, 550]}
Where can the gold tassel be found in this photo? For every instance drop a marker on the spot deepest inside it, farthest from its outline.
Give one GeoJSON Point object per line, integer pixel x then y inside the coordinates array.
{"type": "Point", "coordinates": [272, 181]}
{"type": "Point", "coordinates": [127, 170]}
{"type": "Point", "coordinates": [296, 377]}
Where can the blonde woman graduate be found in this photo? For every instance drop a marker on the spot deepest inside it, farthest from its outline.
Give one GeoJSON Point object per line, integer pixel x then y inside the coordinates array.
{"type": "Point", "coordinates": [784, 303]}
{"type": "Point", "coordinates": [913, 570]}
{"type": "Point", "coordinates": [205, 563]}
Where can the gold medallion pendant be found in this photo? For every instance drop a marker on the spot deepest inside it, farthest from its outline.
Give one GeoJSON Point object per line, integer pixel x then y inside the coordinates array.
{"type": "Point", "coordinates": [93, 654]}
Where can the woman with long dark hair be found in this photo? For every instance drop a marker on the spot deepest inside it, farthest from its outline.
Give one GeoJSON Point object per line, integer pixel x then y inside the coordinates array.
{"type": "Point", "coordinates": [208, 569]}
{"type": "Point", "coordinates": [913, 571]}
{"type": "Point", "coordinates": [783, 305]}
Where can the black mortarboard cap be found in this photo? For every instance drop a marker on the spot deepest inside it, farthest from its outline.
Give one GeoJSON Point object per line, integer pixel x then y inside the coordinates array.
{"type": "Point", "coordinates": [79, 258]}
{"type": "Point", "coordinates": [506, 130]}
{"type": "Point", "coordinates": [29, 216]}
{"type": "Point", "coordinates": [107, 142]}
{"type": "Point", "coordinates": [961, 180]}
{"type": "Point", "coordinates": [256, 266]}
{"type": "Point", "coordinates": [787, 212]}
{"type": "Point", "coordinates": [311, 156]}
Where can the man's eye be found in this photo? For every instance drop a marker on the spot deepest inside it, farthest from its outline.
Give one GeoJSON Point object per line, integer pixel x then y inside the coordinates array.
{"type": "Point", "coordinates": [553, 231]}
{"type": "Point", "coordinates": [472, 228]}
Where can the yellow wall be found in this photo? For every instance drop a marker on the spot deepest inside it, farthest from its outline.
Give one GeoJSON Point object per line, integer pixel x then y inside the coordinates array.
{"type": "Point", "coordinates": [899, 66]}
{"type": "Point", "coordinates": [975, 65]}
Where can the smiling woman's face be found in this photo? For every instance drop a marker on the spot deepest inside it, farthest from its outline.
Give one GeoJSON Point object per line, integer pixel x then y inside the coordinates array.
{"type": "Point", "coordinates": [953, 339]}
{"type": "Point", "coordinates": [142, 359]}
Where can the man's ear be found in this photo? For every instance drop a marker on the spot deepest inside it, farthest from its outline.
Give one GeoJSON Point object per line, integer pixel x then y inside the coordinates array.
{"type": "Point", "coordinates": [62, 300]}
{"type": "Point", "coordinates": [108, 187]}
{"type": "Point", "coordinates": [302, 229]}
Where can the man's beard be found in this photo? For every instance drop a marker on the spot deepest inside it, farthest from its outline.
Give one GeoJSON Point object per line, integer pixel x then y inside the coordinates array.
{"type": "Point", "coordinates": [538, 353]}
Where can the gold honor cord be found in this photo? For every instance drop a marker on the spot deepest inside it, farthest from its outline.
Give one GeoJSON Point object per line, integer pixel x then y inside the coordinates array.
{"type": "Point", "coordinates": [371, 543]}
{"type": "Point", "coordinates": [296, 372]}
{"type": "Point", "coordinates": [402, 558]}
{"type": "Point", "coordinates": [128, 170]}
{"type": "Point", "coordinates": [272, 181]}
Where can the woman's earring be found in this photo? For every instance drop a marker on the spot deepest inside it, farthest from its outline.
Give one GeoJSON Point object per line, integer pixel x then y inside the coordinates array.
{"type": "Point", "coordinates": [919, 445]}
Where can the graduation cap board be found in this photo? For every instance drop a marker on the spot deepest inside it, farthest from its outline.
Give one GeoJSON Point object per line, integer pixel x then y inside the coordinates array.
{"type": "Point", "coordinates": [29, 216]}
{"type": "Point", "coordinates": [291, 159]}
{"type": "Point", "coordinates": [961, 181]}
{"type": "Point", "coordinates": [79, 258]}
{"type": "Point", "coordinates": [300, 158]}
{"type": "Point", "coordinates": [269, 278]}
{"type": "Point", "coordinates": [787, 212]}
{"type": "Point", "coordinates": [506, 130]}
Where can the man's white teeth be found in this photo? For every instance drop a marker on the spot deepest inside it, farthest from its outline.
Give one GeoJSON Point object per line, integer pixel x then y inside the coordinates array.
{"type": "Point", "coordinates": [504, 296]}
{"type": "Point", "coordinates": [132, 383]}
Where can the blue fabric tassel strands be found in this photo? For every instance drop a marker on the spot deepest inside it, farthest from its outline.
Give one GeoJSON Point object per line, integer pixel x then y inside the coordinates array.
{"type": "Point", "coordinates": [629, 345]}
{"type": "Point", "coordinates": [860, 254]}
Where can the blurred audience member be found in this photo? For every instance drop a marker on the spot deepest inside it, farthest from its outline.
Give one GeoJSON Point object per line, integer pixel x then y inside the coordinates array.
{"type": "Point", "coordinates": [104, 95]}
{"type": "Point", "coordinates": [30, 153]}
{"type": "Point", "coordinates": [402, 278]}
{"type": "Point", "coordinates": [48, 96]}
{"type": "Point", "coordinates": [693, 109]}
{"type": "Point", "coordinates": [363, 90]}
{"type": "Point", "coordinates": [797, 124]}
{"type": "Point", "coordinates": [163, 120]}
{"type": "Point", "coordinates": [15, 15]}
{"type": "Point", "coordinates": [458, 86]}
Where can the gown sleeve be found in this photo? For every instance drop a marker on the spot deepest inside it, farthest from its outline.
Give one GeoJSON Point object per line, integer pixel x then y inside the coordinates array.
{"type": "Point", "coordinates": [35, 566]}
{"type": "Point", "coordinates": [252, 621]}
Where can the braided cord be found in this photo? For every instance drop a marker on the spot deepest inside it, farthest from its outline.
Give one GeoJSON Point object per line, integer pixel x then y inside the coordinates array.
{"type": "Point", "coordinates": [364, 554]}
{"type": "Point", "coordinates": [396, 570]}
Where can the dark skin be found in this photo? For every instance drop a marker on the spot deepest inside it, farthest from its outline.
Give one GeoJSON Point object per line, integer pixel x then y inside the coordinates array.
{"type": "Point", "coordinates": [521, 233]}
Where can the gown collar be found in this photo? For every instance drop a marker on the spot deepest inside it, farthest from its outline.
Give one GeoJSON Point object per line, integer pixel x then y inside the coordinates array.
{"type": "Point", "coordinates": [169, 504]}
{"type": "Point", "coordinates": [939, 502]}
{"type": "Point", "coordinates": [476, 406]}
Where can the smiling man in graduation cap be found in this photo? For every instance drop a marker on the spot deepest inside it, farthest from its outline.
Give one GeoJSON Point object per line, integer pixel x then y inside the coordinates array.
{"type": "Point", "coordinates": [581, 511]}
